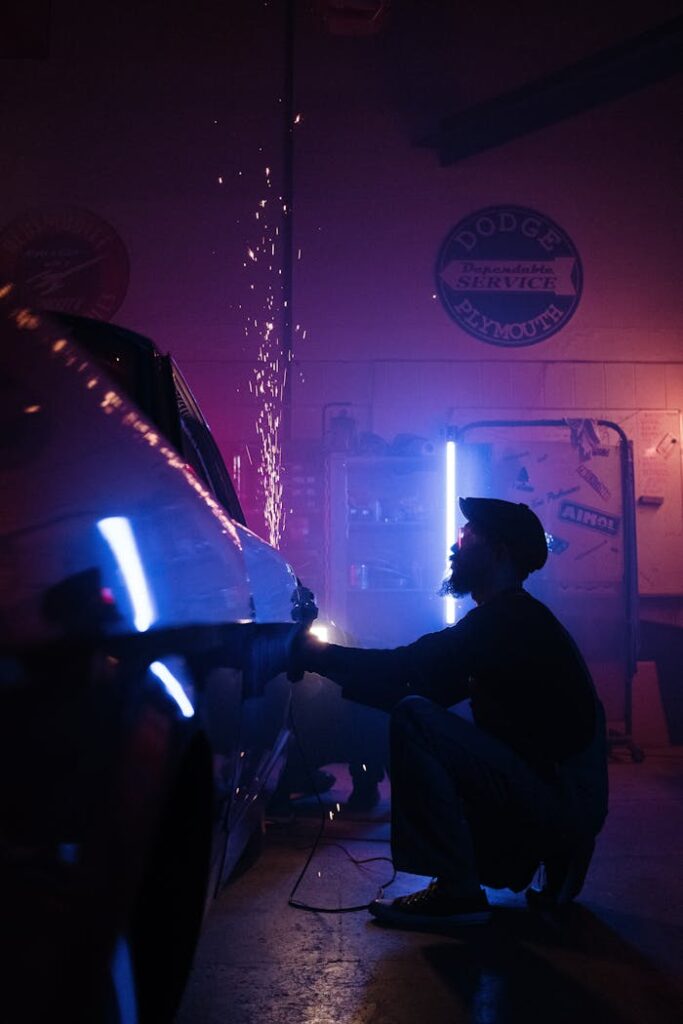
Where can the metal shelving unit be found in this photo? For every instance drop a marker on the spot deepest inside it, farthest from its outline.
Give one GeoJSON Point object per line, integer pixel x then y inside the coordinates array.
{"type": "Point", "coordinates": [385, 556]}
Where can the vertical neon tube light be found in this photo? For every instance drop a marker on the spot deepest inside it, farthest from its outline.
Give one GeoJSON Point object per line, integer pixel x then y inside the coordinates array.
{"type": "Point", "coordinates": [451, 530]}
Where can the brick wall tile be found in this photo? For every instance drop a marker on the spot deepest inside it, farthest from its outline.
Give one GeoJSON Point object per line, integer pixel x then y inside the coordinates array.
{"type": "Point", "coordinates": [432, 386]}
{"type": "Point", "coordinates": [411, 397]}
{"type": "Point", "coordinates": [217, 383]}
{"type": "Point", "coordinates": [673, 377]}
{"type": "Point", "coordinates": [526, 385]}
{"type": "Point", "coordinates": [650, 386]}
{"type": "Point", "coordinates": [589, 385]}
{"type": "Point", "coordinates": [307, 421]}
{"type": "Point", "coordinates": [466, 384]}
{"type": "Point", "coordinates": [496, 385]}
{"type": "Point", "coordinates": [331, 381]}
{"type": "Point", "coordinates": [620, 385]}
{"type": "Point", "coordinates": [558, 385]}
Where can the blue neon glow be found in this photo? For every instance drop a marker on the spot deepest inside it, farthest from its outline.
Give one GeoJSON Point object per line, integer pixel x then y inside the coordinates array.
{"type": "Point", "coordinates": [118, 534]}
{"type": "Point", "coordinates": [451, 525]}
{"type": "Point", "coordinates": [124, 983]}
{"type": "Point", "coordinates": [173, 688]}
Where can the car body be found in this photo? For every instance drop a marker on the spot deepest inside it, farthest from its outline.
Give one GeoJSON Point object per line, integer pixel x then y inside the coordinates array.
{"type": "Point", "coordinates": [144, 632]}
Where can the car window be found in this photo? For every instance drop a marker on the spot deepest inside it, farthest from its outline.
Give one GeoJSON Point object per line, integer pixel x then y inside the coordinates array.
{"type": "Point", "coordinates": [201, 451]}
{"type": "Point", "coordinates": [152, 382]}
{"type": "Point", "coordinates": [127, 357]}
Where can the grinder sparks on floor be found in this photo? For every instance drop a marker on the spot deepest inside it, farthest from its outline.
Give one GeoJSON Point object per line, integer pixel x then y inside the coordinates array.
{"type": "Point", "coordinates": [525, 784]}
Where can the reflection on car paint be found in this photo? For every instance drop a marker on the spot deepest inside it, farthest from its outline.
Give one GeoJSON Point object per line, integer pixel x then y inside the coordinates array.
{"type": "Point", "coordinates": [118, 534]}
{"type": "Point", "coordinates": [173, 687]}
{"type": "Point", "coordinates": [112, 400]}
{"type": "Point", "coordinates": [143, 673]}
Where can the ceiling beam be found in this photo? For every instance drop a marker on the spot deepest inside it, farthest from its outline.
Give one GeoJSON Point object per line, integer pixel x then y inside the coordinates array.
{"type": "Point", "coordinates": [600, 78]}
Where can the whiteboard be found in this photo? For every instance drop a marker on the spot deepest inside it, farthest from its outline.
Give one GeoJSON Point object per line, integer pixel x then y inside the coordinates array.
{"type": "Point", "coordinates": [656, 436]}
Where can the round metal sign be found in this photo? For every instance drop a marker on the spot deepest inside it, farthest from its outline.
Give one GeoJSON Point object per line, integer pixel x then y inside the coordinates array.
{"type": "Point", "coordinates": [509, 275]}
{"type": "Point", "coordinates": [67, 259]}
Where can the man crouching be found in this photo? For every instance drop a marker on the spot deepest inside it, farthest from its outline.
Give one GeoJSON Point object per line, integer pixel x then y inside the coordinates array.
{"type": "Point", "coordinates": [525, 784]}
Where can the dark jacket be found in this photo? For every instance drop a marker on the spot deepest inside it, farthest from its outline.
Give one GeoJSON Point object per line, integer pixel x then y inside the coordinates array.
{"type": "Point", "coordinates": [526, 680]}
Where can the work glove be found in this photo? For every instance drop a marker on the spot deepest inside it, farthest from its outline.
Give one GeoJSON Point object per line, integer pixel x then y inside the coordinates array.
{"type": "Point", "coordinates": [304, 608]}
{"type": "Point", "coordinates": [302, 649]}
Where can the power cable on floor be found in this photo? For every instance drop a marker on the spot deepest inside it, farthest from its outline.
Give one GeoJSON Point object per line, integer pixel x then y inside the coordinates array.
{"type": "Point", "coordinates": [359, 862]}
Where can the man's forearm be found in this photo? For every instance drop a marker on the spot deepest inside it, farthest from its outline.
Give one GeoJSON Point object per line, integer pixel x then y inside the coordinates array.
{"type": "Point", "coordinates": [376, 678]}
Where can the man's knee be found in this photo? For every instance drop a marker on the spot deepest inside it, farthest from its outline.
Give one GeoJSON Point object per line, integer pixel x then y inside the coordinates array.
{"type": "Point", "coordinates": [419, 712]}
{"type": "Point", "coordinates": [410, 712]}
{"type": "Point", "coordinates": [417, 720]}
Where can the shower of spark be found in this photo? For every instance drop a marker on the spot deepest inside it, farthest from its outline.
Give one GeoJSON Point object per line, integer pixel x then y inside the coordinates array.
{"type": "Point", "coordinates": [270, 372]}
{"type": "Point", "coordinates": [268, 323]}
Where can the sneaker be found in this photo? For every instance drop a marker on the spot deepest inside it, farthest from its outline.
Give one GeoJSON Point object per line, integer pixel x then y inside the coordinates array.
{"type": "Point", "coordinates": [317, 783]}
{"type": "Point", "coordinates": [363, 798]}
{"type": "Point", "coordinates": [432, 909]}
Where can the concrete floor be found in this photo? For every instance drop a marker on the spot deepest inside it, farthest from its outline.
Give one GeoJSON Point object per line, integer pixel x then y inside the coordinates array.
{"type": "Point", "coordinates": [615, 958]}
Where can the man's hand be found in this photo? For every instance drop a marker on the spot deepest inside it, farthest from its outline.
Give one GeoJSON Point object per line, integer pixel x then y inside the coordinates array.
{"type": "Point", "coordinates": [302, 648]}
{"type": "Point", "coordinates": [304, 608]}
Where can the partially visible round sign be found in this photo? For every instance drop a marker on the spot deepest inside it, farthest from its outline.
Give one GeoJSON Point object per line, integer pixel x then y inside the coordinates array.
{"type": "Point", "coordinates": [509, 275]}
{"type": "Point", "coordinates": [67, 259]}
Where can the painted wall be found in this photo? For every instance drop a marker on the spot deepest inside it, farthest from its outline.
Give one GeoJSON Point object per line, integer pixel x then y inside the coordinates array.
{"type": "Point", "coordinates": [374, 212]}
{"type": "Point", "coordinates": [162, 121]}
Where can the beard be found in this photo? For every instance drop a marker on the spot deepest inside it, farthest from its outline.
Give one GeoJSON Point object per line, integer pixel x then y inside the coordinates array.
{"type": "Point", "coordinates": [469, 570]}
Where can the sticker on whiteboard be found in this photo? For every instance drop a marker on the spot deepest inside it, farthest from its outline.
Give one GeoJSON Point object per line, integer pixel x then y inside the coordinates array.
{"type": "Point", "coordinates": [594, 481]}
{"type": "Point", "coordinates": [589, 551]}
{"type": "Point", "coordinates": [667, 445]}
{"type": "Point", "coordinates": [592, 518]}
{"type": "Point", "coordinates": [556, 545]}
{"type": "Point", "coordinates": [522, 482]}
{"type": "Point", "coordinates": [562, 493]}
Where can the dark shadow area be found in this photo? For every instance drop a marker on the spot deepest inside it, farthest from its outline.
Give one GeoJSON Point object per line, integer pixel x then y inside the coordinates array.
{"type": "Point", "coordinates": [568, 969]}
{"type": "Point", "coordinates": [663, 644]}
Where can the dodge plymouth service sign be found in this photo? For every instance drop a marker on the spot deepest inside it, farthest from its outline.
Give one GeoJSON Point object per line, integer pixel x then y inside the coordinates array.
{"type": "Point", "coordinates": [509, 275]}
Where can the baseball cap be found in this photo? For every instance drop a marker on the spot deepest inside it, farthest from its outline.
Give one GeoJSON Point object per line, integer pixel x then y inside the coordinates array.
{"type": "Point", "coordinates": [514, 524]}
